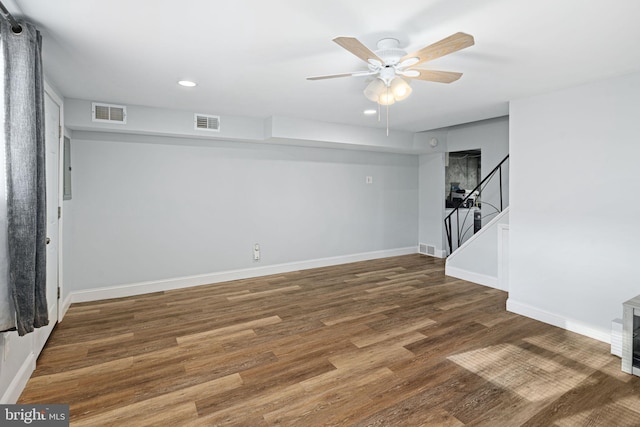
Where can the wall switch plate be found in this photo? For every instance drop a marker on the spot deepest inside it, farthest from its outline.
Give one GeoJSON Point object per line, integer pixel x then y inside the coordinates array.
{"type": "Point", "coordinates": [369, 180]}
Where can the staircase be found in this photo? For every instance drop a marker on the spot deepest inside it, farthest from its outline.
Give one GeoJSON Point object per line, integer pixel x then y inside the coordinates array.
{"type": "Point", "coordinates": [476, 231]}
{"type": "Point", "coordinates": [484, 202]}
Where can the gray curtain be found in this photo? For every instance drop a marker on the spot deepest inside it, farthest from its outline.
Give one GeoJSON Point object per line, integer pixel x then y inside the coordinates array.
{"type": "Point", "coordinates": [25, 174]}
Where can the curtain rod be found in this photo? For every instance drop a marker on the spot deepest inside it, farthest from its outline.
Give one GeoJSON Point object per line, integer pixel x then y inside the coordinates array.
{"type": "Point", "coordinates": [15, 26]}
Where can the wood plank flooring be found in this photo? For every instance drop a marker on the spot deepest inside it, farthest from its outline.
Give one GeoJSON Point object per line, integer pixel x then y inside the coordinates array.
{"type": "Point", "coordinates": [389, 342]}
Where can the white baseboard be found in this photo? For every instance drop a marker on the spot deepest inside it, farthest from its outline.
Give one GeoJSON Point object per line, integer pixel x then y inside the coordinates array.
{"type": "Point", "coordinates": [66, 303]}
{"type": "Point", "coordinates": [437, 254]}
{"type": "Point", "coordinates": [558, 320]}
{"type": "Point", "coordinates": [132, 289]}
{"type": "Point", "coordinates": [470, 276]}
{"type": "Point", "coordinates": [440, 253]}
{"type": "Point", "coordinates": [19, 382]}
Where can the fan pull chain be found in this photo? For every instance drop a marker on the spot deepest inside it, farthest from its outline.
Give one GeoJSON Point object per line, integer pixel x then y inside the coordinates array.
{"type": "Point", "coordinates": [387, 110]}
{"type": "Point", "coordinates": [387, 119]}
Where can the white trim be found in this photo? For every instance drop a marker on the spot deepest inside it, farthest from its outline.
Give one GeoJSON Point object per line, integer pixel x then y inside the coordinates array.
{"type": "Point", "coordinates": [19, 381]}
{"type": "Point", "coordinates": [558, 320]}
{"type": "Point", "coordinates": [132, 289]}
{"type": "Point", "coordinates": [470, 276]}
{"type": "Point", "coordinates": [503, 257]}
{"type": "Point", "coordinates": [55, 97]}
{"type": "Point", "coordinates": [64, 306]}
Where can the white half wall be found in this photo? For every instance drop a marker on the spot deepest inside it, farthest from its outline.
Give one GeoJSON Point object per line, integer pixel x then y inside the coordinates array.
{"type": "Point", "coordinates": [573, 223]}
{"type": "Point", "coordinates": [152, 208]}
{"type": "Point", "coordinates": [477, 260]}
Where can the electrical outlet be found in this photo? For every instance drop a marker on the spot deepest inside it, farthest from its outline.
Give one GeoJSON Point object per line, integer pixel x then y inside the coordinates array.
{"type": "Point", "coordinates": [256, 252]}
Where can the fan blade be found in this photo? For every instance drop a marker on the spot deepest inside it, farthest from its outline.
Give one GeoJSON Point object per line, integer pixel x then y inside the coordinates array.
{"type": "Point", "coordinates": [333, 76]}
{"type": "Point", "coordinates": [437, 76]}
{"type": "Point", "coordinates": [330, 76]}
{"type": "Point", "coordinates": [354, 46]}
{"type": "Point", "coordinates": [453, 43]}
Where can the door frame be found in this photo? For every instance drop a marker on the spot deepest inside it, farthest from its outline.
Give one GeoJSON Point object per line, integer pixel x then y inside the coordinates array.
{"type": "Point", "coordinates": [41, 335]}
{"type": "Point", "coordinates": [49, 91]}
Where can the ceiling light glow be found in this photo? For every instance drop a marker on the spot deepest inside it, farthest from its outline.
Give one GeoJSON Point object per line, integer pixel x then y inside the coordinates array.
{"type": "Point", "coordinates": [387, 93]}
{"type": "Point", "coordinates": [186, 83]}
{"type": "Point", "coordinates": [370, 112]}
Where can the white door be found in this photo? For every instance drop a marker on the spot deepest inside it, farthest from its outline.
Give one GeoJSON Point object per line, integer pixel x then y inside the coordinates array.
{"type": "Point", "coordinates": [52, 144]}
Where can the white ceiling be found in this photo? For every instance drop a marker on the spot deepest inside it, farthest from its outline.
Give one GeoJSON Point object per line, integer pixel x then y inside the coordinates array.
{"type": "Point", "coordinates": [251, 57]}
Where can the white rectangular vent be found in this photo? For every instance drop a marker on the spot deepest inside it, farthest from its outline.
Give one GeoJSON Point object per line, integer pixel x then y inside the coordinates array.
{"type": "Point", "coordinates": [427, 249]}
{"type": "Point", "coordinates": [206, 122]}
{"type": "Point", "coordinates": [108, 113]}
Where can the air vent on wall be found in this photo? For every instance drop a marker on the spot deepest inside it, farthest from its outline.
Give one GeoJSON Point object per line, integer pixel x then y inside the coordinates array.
{"type": "Point", "coordinates": [427, 249]}
{"type": "Point", "coordinates": [108, 113]}
{"type": "Point", "coordinates": [206, 122]}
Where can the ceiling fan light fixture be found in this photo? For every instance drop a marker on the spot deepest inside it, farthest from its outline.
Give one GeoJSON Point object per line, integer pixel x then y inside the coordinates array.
{"type": "Point", "coordinates": [386, 98]}
{"type": "Point", "coordinates": [375, 89]}
{"type": "Point", "coordinates": [389, 62]}
{"type": "Point", "coordinates": [400, 89]}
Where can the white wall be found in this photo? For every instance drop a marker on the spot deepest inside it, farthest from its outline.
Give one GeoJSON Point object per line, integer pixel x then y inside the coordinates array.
{"type": "Point", "coordinates": [574, 211]}
{"type": "Point", "coordinates": [271, 130]}
{"type": "Point", "coordinates": [17, 362]}
{"type": "Point", "coordinates": [431, 199]}
{"type": "Point", "coordinates": [492, 137]}
{"type": "Point", "coordinates": [477, 260]}
{"type": "Point", "coordinates": [151, 208]}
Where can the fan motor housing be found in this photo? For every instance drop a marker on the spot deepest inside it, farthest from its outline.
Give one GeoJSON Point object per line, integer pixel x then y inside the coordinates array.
{"type": "Point", "coordinates": [389, 51]}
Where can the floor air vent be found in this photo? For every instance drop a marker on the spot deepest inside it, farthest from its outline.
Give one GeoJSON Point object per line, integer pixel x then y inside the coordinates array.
{"type": "Point", "coordinates": [108, 113]}
{"type": "Point", "coordinates": [427, 249]}
{"type": "Point", "coordinates": [206, 122]}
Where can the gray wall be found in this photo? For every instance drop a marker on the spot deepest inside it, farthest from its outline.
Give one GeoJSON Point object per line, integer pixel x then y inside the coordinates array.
{"type": "Point", "coordinates": [573, 232]}
{"type": "Point", "coordinates": [432, 202]}
{"type": "Point", "coordinates": [492, 137]}
{"type": "Point", "coordinates": [148, 208]}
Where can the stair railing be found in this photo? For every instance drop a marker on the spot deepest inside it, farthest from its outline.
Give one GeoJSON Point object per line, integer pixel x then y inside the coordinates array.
{"type": "Point", "coordinates": [459, 229]}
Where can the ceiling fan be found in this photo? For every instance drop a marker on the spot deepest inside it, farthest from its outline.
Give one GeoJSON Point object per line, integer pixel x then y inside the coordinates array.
{"type": "Point", "coordinates": [389, 63]}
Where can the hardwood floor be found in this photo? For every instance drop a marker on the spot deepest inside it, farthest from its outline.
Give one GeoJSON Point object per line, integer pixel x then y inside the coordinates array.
{"type": "Point", "coordinates": [390, 342]}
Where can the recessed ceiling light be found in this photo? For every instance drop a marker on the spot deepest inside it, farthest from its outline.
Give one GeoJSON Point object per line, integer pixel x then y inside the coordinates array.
{"type": "Point", "coordinates": [186, 83]}
{"type": "Point", "coordinates": [370, 112]}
